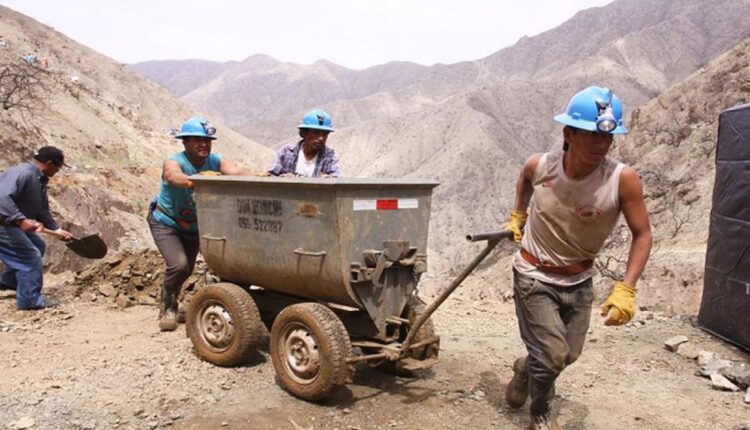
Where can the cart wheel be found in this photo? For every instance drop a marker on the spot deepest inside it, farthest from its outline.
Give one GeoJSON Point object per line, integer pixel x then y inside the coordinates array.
{"type": "Point", "coordinates": [413, 309]}
{"type": "Point", "coordinates": [224, 324]}
{"type": "Point", "coordinates": [309, 346]}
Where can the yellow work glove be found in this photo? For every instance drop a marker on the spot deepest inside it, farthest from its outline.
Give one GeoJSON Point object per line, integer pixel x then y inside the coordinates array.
{"type": "Point", "coordinates": [619, 307]}
{"type": "Point", "coordinates": [210, 173]}
{"type": "Point", "coordinates": [515, 224]}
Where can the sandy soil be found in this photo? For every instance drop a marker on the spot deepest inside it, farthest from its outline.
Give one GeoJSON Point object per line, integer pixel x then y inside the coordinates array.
{"type": "Point", "coordinates": [93, 366]}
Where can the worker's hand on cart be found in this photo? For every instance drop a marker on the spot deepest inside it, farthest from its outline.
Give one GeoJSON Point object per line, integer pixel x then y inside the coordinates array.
{"type": "Point", "coordinates": [516, 222]}
{"type": "Point", "coordinates": [619, 307]}
{"type": "Point", "coordinates": [210, 173]}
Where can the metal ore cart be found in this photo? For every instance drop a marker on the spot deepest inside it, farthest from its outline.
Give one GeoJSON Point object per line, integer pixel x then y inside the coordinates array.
{"type": "Point", "coordinates": [331, 266]}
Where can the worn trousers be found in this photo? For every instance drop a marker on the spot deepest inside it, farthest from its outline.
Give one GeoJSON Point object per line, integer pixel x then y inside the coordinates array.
{"type": "Point", "coordinates": [22, 255]}
{"type": "Point", "coordinates": [553, 321]}
{"type": "Point", "coordinates": [179, 250]}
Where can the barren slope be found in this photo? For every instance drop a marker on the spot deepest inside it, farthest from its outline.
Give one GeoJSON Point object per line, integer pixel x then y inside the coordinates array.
{"type": "Point", "coordinates": [672, 144]}
{"type": "Point", "coordinates": [472, 124]}
{"type": "Point", "coordinates": [113, 126]}
{"type": "Point", "coordinates": [475, 140]}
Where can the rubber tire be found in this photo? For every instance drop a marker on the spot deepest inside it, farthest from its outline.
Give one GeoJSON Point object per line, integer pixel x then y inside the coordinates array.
{"type": "Point", "coordinates": [246, 319]}
{"type": "Point", "coordinates": [332, 340]}
{"type": "Point", "coordinates": [413, 309]}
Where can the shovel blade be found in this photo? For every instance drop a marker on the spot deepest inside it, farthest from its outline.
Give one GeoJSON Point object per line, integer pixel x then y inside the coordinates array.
{"type": "Point", "coordinates": [91, 246]}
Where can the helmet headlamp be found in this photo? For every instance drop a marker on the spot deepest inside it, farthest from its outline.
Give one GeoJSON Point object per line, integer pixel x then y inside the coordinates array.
{"type": "Point", "coordinates": [605, 120]}
{"type": "Point", "coordinates": [209, 129]}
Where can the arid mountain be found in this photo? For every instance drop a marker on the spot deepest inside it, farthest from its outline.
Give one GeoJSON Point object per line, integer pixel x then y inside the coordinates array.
{"type": "Point", "coordinates": [260, 95]}
{"type": "Point", "coordinates": [181, 77]}
{"type": "Point", "coordinates": [630, 43]}
{"type": "Point", "coordinates": [471, 125]}
{"type": "Point", "coordinates": [475, 140]}
{"type": "Point", "coordinates": [673, 145]}
{"type": "Point", "coordinates": [111, 123]}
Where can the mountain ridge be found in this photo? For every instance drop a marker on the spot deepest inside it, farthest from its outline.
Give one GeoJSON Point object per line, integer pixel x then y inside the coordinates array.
{"type": "Point", "coordinates": [472, 124]}
{"type": "Point", "coordinates": [113, 126]}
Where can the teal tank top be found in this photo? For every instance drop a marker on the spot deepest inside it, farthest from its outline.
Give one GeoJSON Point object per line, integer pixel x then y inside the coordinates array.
{"type": "Point", "coordinates": [177, 204]}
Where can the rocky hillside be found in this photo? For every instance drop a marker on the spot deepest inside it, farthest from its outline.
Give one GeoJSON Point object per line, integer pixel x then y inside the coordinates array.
{"type": "Point", "coordinates": [111, 123]}
{"type": "Point", "coordinates": [673, 145]}
{"type": "Point", "coordinates": [181, 77]}
{"type": "Point", "coordinates": [263, 98]}
{"type": "Point", "coordinates": [475, 140]}
{"type": "Point", "coordinates": [641, 47]}
{"type": "Point", "coordinates": [471, 125]}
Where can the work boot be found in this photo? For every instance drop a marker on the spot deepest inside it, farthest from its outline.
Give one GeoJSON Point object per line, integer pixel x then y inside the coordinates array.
{"type": "Point", "coordinates": [517, 390]}
{"type": "Point", "coordinates": [168, 320]}
{"type": "Point", "coordinates": [168, 310]}
{"type": "Point", "coordinates": [544, 422]}
{"type": "Point", "coordinates": [47, 303]}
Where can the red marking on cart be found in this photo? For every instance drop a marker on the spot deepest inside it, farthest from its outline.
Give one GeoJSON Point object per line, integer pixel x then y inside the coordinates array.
{"type": "Point", "coordinates": [385, 204]}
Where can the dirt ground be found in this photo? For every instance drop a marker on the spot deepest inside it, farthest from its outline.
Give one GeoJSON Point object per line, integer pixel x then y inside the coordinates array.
{"type": "Point", "coordinates": [92, 365]}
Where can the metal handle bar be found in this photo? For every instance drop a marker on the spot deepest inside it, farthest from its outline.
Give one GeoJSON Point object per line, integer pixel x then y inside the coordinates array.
{"type": "Point", "coordinates": [505, 234]}
{"type": "Point", "coordinates": [492, 240]}
{"type": "Point", "coordinates": [300, 251]}
{"type": "Point", "coordinates": [207, 237]}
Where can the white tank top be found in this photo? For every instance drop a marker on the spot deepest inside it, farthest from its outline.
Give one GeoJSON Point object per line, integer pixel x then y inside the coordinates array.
{"type": "Point", "coordinates": [569, 219]}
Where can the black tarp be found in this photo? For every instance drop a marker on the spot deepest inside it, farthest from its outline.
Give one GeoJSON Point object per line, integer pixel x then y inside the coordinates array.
{"type": "Point", "coordinates": [725, 308]}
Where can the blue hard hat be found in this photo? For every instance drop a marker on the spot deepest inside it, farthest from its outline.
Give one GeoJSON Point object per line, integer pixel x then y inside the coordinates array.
{"type": "Point", "coordinates": [197, 126]}
{"type": "Point", "coordinates": [594, 109]}
{"type": "Point", "coordinates": [317, 119]}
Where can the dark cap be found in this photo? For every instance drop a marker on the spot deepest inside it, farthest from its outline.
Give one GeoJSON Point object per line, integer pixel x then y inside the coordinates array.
{"type": "Point", "coordinates": [50, 153]}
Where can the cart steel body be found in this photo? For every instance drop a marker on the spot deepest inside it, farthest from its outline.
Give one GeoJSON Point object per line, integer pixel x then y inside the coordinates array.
{"type": "Point", "coordinates": [329, 265]}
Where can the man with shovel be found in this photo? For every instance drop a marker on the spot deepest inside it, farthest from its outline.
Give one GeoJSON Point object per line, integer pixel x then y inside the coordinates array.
{"type": "Point", "coordinates": [578, 195]}
{"type": "Point", "coordinates": [24, 212]}
{"type": "Point", "coordinates": [172, 216]}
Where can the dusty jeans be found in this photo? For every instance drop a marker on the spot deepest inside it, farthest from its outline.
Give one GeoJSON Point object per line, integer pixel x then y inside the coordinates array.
{"type": "Point", "coordinates": [22, 254]}
{"type": "Point", "coordinates": [553, 322]}
{"type": "Point", "coordinates": [180, 250]}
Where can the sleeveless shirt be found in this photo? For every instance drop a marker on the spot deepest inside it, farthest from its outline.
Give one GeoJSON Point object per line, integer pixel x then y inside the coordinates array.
{"type": "Point", "coordinates": [178, 203]}
{"type": "Point", "coordinates": [569, 219]}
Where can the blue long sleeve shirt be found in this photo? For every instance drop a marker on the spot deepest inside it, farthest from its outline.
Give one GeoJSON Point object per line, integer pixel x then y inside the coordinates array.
{"type": "Point", "coordinates": [23, 194]}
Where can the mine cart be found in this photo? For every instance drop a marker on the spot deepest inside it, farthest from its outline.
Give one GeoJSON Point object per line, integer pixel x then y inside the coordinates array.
{"type": "Point", "coordinates": [329, 265]}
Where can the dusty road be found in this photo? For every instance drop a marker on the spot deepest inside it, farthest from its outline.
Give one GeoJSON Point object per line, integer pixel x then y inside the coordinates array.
{"type": "Point", "coordinates": [94, 366]}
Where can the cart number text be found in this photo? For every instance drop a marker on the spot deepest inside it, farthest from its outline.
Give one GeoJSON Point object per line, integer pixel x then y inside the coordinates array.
{"type": "Point", "coordinates": [262, 225]}
{"type": "Point", "coordinates": [263, 207]}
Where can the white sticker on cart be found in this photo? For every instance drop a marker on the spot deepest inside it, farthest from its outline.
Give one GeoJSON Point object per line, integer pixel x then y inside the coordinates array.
{"type": "Point", "coordinates": [385, 204]}
{"type": "Point", "coordinates": [408, 203]}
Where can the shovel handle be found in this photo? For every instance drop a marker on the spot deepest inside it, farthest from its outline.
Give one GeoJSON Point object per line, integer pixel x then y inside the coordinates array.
{"type": "Point", "coordinates": [54, 233]}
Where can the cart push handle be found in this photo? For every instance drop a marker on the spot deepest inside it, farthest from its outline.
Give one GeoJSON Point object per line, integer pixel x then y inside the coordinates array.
{"type": "Point", "coordinates": [498, 235]}
{"type": "Point", "coordinates": [492, 240]}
